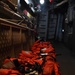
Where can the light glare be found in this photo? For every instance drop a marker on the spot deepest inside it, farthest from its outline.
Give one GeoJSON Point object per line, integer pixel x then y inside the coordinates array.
{"type": "Point", "coordinates": [42, 1]}
{"type": "Point", "coordinates": [27, 1]}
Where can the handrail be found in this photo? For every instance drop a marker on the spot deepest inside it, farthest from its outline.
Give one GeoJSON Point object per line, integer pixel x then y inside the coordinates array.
{"type": "Point", "coordinates": [10, 4]}
{"type": "Point", "coordinates": [3, 21]}
{"type": "Point", "coordinates": [9, 13]}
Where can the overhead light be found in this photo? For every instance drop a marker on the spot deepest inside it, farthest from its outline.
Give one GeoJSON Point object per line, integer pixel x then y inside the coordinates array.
{"type": "Point", "coordinates": [27, 1]}
{"type": "Point", "coordinates": [42, 1]}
